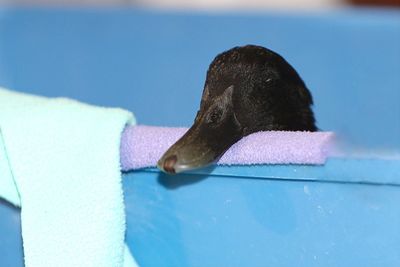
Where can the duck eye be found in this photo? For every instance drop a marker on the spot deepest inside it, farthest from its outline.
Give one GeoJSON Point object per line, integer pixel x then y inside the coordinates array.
{"type": "Point", "coordinates": [214, 116]}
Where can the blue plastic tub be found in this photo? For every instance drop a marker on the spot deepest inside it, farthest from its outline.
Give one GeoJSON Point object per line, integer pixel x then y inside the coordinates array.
{"type": "Point", "coordinates": [345, 213]}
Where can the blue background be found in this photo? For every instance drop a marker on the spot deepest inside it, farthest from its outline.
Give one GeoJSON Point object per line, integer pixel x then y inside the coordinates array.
{"type": "Point", "coordinates": [154, 63]}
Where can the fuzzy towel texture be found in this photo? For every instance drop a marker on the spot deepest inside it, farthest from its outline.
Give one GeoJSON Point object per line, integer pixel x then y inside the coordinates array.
{"type": "Point", "coordinates": [142, 146]}
{"type": "Point", "coordinates": [59, 161]}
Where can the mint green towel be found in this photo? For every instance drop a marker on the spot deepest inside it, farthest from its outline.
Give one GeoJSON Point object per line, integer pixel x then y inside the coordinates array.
{"type": "Point", "coordinates": [59, 161]}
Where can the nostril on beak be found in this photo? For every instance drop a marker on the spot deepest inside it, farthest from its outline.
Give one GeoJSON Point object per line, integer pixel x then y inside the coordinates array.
{"type": "Point", "coordinates": [169, 164]}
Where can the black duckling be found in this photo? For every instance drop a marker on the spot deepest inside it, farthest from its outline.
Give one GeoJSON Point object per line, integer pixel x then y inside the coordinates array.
{"type": "Point", "coordinates": [247, 89]}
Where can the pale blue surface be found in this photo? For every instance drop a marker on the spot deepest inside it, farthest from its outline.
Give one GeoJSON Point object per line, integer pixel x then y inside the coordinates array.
{"type": "Point", "coordinates": [154, 64]}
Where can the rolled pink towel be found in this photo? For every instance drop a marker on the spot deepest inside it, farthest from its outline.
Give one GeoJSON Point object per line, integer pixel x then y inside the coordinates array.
{"type": "Point", "coordinates": [142, 146]}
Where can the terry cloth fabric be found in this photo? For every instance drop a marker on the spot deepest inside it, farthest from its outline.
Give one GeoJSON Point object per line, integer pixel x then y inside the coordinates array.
{"type": "Point", "coordinates": [142, 146]}
{"type": "Point", "coordinates": [59, 161]}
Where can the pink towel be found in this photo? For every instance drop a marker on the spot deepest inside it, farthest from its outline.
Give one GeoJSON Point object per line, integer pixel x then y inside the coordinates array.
{"type": "Point", "coordinates": [142, 146]}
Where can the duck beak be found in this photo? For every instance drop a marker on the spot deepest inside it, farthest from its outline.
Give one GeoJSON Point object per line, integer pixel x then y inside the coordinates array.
{"type": "Point", "coordinates": [206, 141]}
{"type": "Point", "coordinates": [199, 147]}
{"type": "Point", "coordinates": [192, 151]}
